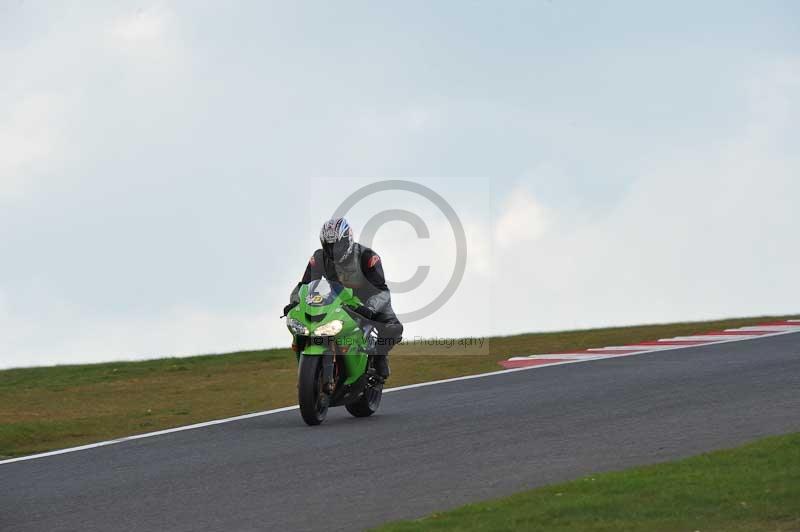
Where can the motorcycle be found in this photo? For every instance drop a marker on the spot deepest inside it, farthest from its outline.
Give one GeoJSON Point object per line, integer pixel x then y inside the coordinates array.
{"type": "Point", "coordinates": [334, 347]}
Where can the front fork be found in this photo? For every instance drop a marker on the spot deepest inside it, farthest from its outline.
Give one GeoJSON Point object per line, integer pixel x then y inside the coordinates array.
{"type": "Point", "coordinates": [328, 382]}
{"type": "Point", "coordinates": [328, 355]}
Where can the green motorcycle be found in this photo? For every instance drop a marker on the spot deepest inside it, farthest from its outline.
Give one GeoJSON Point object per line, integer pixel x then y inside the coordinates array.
{"type": "Point", "coordinates": [334, 347]}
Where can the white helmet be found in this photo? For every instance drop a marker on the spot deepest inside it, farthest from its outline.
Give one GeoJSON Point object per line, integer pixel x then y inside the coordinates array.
{"type": "Point", "coordinates": [336, 237]}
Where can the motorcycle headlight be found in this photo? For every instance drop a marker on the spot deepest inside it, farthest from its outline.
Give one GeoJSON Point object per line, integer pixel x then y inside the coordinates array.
{"type": "Point", "coordinates": [296, 327]}
{"type": "Point", "coordinates": [331, 328]}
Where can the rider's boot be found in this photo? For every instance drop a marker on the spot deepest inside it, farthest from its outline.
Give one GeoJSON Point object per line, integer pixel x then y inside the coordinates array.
{"type": "Point", "coordinates": [382, 366]}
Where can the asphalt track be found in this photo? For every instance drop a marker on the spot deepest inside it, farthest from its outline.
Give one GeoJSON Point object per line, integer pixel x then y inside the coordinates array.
{"type": "Point", "coordinates": [428, 449]}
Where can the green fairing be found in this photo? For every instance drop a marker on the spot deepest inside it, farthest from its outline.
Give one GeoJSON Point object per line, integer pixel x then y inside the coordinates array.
{"type": "Point", "coordinates": [355, 361]}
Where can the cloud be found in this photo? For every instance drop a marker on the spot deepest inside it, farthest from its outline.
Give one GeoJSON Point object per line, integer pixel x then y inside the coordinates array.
{"type": "Point", "coordinates": [72, 90]}
{"type": "Point", "coordinates": [144, 29]}
{"type": "Point", "coordinates": [709, 232]}
{"type": "Point", "coordinates": [29, 141]}
{"type": "Point", "coordinates": [149, 41]}
{"type": "Point", "coordinates": [523, 220]}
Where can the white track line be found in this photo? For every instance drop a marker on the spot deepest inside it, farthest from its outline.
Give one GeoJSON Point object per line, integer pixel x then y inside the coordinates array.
{"type": "Point", "coordinates": [389, 390]}
{"type": "Point", "coordinates": [699, 338]}
{"type": "Point", "coordinates": [562, 356]}
{"type": "Point", "coordinates": [715, 338]}
{"type": "Point", "coordinates": [635, 347]}
{"type": "Point", "coordinates": [150, 434]}
{"type": "Point", "coordinates": [775, 328]}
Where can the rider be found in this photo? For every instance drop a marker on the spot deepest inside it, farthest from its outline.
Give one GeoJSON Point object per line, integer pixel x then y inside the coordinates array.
{"type": "Point", "coordinates": [358, 267]}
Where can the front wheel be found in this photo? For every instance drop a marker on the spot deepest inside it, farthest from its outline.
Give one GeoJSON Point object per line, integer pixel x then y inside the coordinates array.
{"type": "Point", "coordinates": [313, 402]}
{"type": "Point", "coordinates": [368, 403]}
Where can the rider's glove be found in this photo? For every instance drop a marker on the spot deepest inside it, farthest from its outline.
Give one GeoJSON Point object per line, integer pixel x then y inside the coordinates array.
{"type": "Point", "coordinates": [288, 307]}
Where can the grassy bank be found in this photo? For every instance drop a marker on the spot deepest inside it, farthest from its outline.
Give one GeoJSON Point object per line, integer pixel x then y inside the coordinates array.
{"type": "Point", "coordinates": [751, 488]}
{"type": "Point", "coordinates": [50, 408]}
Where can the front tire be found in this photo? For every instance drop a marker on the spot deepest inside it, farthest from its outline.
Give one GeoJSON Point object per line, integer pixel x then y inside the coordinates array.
{"type": "Point", "coordinates": [313, 403]}
{"type": "Point", "coordinates": [368, 403]}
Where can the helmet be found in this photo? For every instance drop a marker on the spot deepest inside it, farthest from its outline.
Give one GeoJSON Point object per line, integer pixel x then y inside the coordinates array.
{"type": "Point", "coordinates": [336, 237]}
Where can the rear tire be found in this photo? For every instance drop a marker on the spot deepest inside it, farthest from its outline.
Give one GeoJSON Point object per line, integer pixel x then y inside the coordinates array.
{"type": "Point", "coordinates": [368, 403]}
{"type": "Point", "coordinates": [309, 390]}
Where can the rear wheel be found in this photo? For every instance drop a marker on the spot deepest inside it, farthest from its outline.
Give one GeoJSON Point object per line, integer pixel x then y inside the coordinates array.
{"type": "Point", "coordinates": [368, 403]}
{"type": "Point", "coordinates": [313, 402]}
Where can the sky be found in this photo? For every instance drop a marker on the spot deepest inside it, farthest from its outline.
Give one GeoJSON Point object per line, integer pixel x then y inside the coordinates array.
{"type": "Point", "coordinates": [165, 166]}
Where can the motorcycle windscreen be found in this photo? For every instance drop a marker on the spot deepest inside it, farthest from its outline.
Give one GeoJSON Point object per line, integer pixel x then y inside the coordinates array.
{"type": "Point", "coordinates": [322, 292]}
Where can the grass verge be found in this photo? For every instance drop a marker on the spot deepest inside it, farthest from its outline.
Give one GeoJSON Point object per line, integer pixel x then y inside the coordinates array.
{"type": "Point", "coordinates": [42, 409]}
{"type": "Point", "coordinates": [750, 488]}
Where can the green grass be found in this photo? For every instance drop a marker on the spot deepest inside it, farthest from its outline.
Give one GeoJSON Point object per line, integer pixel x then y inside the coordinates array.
{"type": "Point", "coordinates": [755, 487]}
{"type": "Point", "coordinates": [42, 409]}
